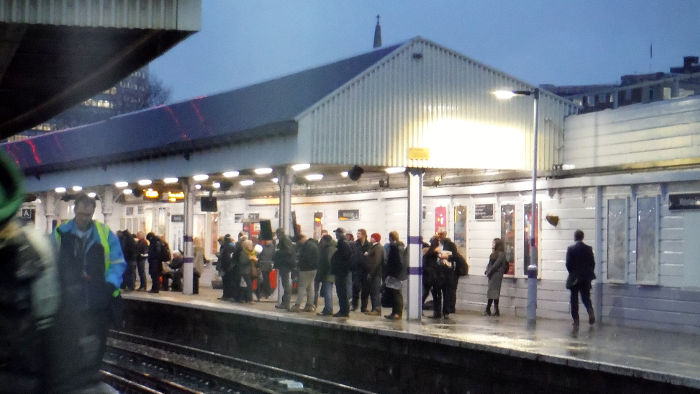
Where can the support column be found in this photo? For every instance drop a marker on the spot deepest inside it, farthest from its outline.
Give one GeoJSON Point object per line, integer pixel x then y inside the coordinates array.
{"type": "Point", "coordinates": [285, 182]}
{"type": "Point", "coordinates": [188, 238]}
{"type": "Point", "coordinates": [107, 205]}
{"type": "Point", "coordinates": [414, 304]}
{"type": "Point", "coordinates": [598, 288]}
{"type": "Point", "coordinates": [50, 210]}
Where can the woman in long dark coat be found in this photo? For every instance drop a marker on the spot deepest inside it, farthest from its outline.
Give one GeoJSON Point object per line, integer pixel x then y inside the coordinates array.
{"type": "Point", "coordinates": [494, 271]}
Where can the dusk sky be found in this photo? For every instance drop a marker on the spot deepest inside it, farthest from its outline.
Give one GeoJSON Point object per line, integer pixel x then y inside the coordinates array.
{"type": "Point", "coordinates": [563, 42]}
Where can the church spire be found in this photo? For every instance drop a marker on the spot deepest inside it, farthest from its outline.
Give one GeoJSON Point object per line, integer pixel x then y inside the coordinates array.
{"type": "Point", "coordinates": [377, 34]}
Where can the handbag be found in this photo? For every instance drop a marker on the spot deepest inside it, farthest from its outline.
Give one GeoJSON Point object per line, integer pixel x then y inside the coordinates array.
{"type": "Point", "coordinates": [571, 281]}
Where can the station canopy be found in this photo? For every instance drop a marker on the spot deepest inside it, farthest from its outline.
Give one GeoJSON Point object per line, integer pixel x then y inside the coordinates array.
{"type": "Point", "coordinates": [55, 53]}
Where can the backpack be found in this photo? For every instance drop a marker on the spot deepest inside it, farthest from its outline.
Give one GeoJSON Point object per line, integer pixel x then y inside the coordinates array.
{"type": "Point", "coordinates": [461, 266]}
{"type": "Point", "coordinates": [165, 252]}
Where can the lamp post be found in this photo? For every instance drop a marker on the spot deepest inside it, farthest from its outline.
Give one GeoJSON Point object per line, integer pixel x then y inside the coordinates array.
{"type": "Point", "coordinates": [532, 267]}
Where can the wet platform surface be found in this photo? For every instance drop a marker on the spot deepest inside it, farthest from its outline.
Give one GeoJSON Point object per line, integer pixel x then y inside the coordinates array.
{"type": "Point", "coordinates": [656, 355]}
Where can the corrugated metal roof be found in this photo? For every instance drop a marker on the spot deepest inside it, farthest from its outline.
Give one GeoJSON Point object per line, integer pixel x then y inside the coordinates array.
{"type": "Point", "coordinates": [259, 110]}
{"type": "Point", "coordinates": [429, 98]}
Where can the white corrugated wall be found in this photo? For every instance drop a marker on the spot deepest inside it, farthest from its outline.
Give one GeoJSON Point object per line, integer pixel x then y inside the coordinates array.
{"type": "Point", "coordinates": [659, 131]}
{"type": "Point", "coordinates": [425, 96]}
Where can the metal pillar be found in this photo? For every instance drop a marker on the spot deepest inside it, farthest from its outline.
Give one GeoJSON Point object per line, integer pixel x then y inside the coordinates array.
{"type": "Point", "coordinates": [107, 205]}
{"type": "Point", "coordinates": [598, 288]}
{"type": "Point", "coordinates": [285, 182]}
{"type": "Point", "coordinates": [188, 240]}
{"type": "Point", "coordinates": [414, 305]}
{"type": "Point", "coordinates": [532, 268]}
{"type": "Point", "coordinates": [49, 210]}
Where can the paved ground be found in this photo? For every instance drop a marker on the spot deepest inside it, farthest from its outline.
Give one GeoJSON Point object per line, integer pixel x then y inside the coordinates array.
{"type": "Point", "coordinates": [661, 356]}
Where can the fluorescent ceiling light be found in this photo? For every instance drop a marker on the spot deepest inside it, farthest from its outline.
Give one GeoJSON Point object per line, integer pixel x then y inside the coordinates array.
{"type": "Point", "coordinates": [170, 180]}
{"type": "Point", "coordinates": [200, 177]}
{"type": "Point", "coordinates": [275, 180]}
{"type": "Point", "coordinates": [314, 177]}
{"type": "Point", "coordinates": [301, 167]}
{"type": "Point", "coordinates": [395, 170]}
{"type": "Point", "coordinates": [144, 182]}
{"type": "Point", "coordinates": [92, 194]}
{"type": "Point", "coordinates": [216, 185]}
{"type": "Point", "coordinates": [247, 182]}
{"type": "Point", "coordinates": [263, 171]}
{"type": "Point", "coordinates": [231, 174]}
{"type": "Point", "coordinates": [121, 184]}
{"type": "Point", "coordinates": [60, 189]}
{"type": "Point", "coordinates": [568, 166]}
{"type": "Point", "coordinates": [127, 191]}
{"type": "Point", "coordinates": [344, 174]}
{"type": "Point", "coordinates": [198, 186]}
{"type": "Point", "coordinates": [77, 188]}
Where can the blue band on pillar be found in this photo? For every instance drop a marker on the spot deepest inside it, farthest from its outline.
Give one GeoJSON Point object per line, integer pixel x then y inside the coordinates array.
{"type": "Point", "coordinates": [188, 238]}
{"type": "Point", "coordinates": [189, 260]}
{"type": "Point", "coordinates": [414, 270]}
{"type": "Point", "coordinates": [415, 240]}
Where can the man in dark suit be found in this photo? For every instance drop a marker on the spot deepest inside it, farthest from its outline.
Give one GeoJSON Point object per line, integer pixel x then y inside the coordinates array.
{"type": "Point", "coordinates": [580, 264]}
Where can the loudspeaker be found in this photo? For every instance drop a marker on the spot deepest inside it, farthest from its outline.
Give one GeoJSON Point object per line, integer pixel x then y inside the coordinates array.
{"type": "Point", "coordinates": [265, 230]}
{"type": "Point", "coordinates": [138, 193]}
{"type": "Point", "coordinates": [355, 172]}
{"type": "Point", "coordinates": [225, 184]}
{"type": "Point", "coordinates": [208, 204]}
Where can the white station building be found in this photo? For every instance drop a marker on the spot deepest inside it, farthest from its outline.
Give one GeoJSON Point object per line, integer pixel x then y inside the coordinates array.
{"type": "Point", "coordinates": [628, 177]}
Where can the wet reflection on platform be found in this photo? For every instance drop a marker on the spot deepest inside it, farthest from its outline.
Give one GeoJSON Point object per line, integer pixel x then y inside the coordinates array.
{"type": "Point", "coordinates": [659, 355]}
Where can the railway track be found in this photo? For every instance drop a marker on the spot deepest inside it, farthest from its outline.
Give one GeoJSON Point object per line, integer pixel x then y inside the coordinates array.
{"type": "Point", "coordinates": [136, 364]}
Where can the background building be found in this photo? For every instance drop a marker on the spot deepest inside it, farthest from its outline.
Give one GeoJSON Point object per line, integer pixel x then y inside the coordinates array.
{"type": "Point", "coordinates": [138, 91]}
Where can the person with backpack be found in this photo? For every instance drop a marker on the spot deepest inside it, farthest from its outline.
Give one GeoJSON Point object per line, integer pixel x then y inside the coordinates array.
{"type": "Point", "coordinates": [285, 262]}
{"type": "Point", "coordinates": [155, 261]}
{"type": "Point", "coordinates": [308, 264]}
{"type": "Point", "coordinates": [460, 268]}
{"type": "Point", "coordinates": [360, 251]}
{"type": "Point", "coordinates": [372, 282]}
{"type": "Point", "coordinates": [128, 244]}
{"type": "Point", "coordinates": [497, 266]}
{"type": "Point", "coordinates": [340, 269]}
{"type": "Point", "coordinates": [225, 267]}
{"type": "Point", "coordinates": [396, 273]}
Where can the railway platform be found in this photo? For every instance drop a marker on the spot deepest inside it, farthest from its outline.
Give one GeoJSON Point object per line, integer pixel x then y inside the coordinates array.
{"type": "Point", "coordinates": [631, 354]}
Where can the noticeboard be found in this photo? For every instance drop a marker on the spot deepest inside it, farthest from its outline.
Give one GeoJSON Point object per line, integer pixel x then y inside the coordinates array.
{"type": "Point", "coordinates": [483, 212]}
{"type": "Point", "coordinates": [684, 201]}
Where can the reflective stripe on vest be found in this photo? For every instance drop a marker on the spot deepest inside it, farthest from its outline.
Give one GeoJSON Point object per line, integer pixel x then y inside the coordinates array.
{"type": "Point", "coordinates": [103, 231]}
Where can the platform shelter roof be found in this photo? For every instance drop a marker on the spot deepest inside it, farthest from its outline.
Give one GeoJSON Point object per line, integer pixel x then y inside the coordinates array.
{"type": "Point", "coordinates": [251, 112]}
{"type": "Point", "coordinates": [416, 104]}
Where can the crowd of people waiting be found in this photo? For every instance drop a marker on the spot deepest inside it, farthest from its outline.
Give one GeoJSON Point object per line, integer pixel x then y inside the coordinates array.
{"type": "Point", "coordinates": [164, 266]}
{"type": "Point", "coordinates": [366, 274]}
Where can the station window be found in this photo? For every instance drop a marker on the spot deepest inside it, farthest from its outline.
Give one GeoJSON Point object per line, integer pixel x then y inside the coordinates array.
{"type": "Point", "coordinates": [647, 240]}
{"type": "Point", "coordinates": [617, 241]}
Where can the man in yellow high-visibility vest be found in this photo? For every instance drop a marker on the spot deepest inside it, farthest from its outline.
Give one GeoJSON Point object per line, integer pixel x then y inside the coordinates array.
{"type": "Point", "coordinates": [91, 265]}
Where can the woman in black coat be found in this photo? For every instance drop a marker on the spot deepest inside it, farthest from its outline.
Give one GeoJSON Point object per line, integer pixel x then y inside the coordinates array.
{"type": "Point", "coordinates": [155, 265]}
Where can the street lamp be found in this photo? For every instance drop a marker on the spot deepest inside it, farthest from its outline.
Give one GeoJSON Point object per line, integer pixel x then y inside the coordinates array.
{"type": "Point", "coordinates": [532, 268]}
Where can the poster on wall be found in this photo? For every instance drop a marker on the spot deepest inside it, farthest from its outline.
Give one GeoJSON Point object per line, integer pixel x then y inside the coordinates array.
{"type": "Point", "coordinates": [527, 236]}
{"type": "Point", "coordinates": [460, 233]}
{"type": "Point", "coordinates": [318, 224]}
{"type": "Point", "coordinates": [440, 219]}
{"type": "Point", "coordinates": [483, 212]}
{"type": "Point", "coordinates": [348, 214]}
{"type": "Point", "coordinates": [508, 235]}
